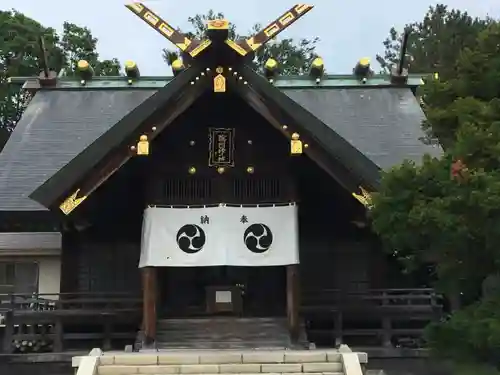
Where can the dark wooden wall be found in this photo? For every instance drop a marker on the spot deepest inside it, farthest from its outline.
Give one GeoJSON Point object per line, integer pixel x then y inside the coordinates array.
{"type": "Point", "coordinates": [186, 144]}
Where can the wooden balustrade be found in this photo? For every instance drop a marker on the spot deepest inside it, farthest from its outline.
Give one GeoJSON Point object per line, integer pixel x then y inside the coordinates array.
{"type": "Point", "coordinates": [45, 322]}
{"type": "Point", "coordinates": [398, 316]}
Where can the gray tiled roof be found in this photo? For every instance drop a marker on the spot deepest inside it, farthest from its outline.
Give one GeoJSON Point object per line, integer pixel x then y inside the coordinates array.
{"type": "Point", "coordinates": [30, 241]}
{"type": "Point", "coordinates": [384, 124]}
{"type": "Point", "coordinates": [56, 126]}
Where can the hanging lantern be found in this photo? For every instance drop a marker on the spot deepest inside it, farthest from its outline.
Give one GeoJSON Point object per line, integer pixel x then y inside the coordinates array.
{"type": "Point", "coordinates": [221, 170]}
{"type": "Point", "coordinates": [143, 145]}
{"type": "Point", "coordinates": [296, 144]}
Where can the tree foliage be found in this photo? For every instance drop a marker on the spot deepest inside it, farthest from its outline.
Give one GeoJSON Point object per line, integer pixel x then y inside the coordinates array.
{"type": "Point", "coordinates": [435, 42]}
{"type": "Point", "coordinates": [294, 57]}
{"type": "Point", "coordinates": [20, 56]}
{"type": "Point", "coordinates": [448, 209]}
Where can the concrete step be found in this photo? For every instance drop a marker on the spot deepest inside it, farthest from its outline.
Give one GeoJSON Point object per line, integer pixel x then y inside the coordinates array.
{"type": "Point", "coordinates": [224, 362]}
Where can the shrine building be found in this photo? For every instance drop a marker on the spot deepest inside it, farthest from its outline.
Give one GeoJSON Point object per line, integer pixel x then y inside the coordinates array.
{"type": "Point", "coordinates": [224, 196]}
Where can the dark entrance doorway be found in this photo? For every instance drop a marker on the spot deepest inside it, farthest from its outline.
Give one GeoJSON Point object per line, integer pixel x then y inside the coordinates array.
{"type": "Point", "coordinates": [183, 290]}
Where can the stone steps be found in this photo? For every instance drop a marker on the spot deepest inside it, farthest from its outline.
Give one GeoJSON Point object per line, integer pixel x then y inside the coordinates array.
{"type": "Point", "coordinates": [244, 362]}
{"type": "Point", "coordinates": [224, 333]}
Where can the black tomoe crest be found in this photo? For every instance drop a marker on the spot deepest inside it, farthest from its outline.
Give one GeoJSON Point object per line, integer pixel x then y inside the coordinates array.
{"type": "Point", "coordinates": [258, 238]}
{"type": "Point", "coordinates": [191, 238]}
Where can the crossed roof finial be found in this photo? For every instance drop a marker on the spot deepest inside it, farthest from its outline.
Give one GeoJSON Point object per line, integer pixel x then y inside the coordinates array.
{"type": "Point", "coordinates": [193, 48]}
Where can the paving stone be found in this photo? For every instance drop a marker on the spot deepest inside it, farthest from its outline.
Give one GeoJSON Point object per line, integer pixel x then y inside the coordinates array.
{"type": "Point", "coordinates": [117, 370]}
{"type": "Point", "coordinates": [136, 359]}
{"type": "Point", "coordinates": [322, 367]}
{"type": "Point", "coordinates": [220, 358]}
{"type": "Point", "coordinates": [333, 356]}
{"type": "Point", "coordinates": [179, 358]}
{"type": "Point", "coordinates": [199, 369]}
{"type": "Point", "coordinates": [106, 360]}
{"type": "Point", "coordinates": [363, 357]}
{"type": "Point", "coordinates": [305, 356]}
{"type": "Point", "coordinates": [242, 368]}
{"type": "Point", "coordinates": [263, 357]}
{"type": "Point", "coordinates": [159, 369]}
{"type": "Point", "coordinates": [282, 367]}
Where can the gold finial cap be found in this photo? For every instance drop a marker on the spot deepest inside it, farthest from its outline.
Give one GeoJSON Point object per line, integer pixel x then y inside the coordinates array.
{"type": "Point", "coordinates": [295, 136]}
{"type": "Point", "coordinates": [129, 64]}
{"type": "Point", "coordinates": [271, 64]}
{"type": "Point", "coordinates": [364, 62]}
{"type": "Point", "coordinates": [318, 62]}
{"type": "Point", "coordinates": [177, 64]}
{"type": "Point", "coordinates": [83, 65]}
{"type": "Point", "coordinates": [143, 138]}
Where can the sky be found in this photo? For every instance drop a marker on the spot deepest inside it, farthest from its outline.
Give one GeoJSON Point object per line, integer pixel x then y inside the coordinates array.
{"type": "Point", "coordinates": [347, 30]}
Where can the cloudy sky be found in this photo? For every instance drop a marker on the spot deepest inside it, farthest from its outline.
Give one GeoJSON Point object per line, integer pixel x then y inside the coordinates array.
{"type": "Point", "coordinates": [347, 29]}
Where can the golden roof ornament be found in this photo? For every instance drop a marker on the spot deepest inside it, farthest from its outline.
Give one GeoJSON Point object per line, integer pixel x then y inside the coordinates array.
{"type": "Point", "coordinates": [296, 144]}
{"type": "Point", "coordinates": [364, 198]}
{"type": "Point", "coordinates": [143, 145]}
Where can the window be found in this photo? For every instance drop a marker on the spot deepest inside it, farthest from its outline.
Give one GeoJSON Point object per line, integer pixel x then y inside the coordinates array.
{"type": "Point", "coordinates": [18, 277]}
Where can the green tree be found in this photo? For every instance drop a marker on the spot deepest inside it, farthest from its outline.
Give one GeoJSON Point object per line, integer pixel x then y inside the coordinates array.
{"type": "Point", "coordinates": [78, 43]}
{"type": "Point", "coordinates": [435, 42]}
{"type": "Point", "coordinates": [294, 57]}
{"type": "Point", "coordinates": [448, 209]}
{"type": "Point", "coordinates": [20, 56]}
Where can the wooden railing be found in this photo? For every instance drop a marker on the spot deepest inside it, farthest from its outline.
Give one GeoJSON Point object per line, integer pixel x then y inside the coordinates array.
{"type": "Point", "coordinates": [387, 317]}
{"type": "Point", "coordinates": [46, 322]}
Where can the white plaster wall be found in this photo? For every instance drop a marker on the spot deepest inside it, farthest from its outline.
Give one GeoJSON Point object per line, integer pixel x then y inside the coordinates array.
{"type": "Point", "coordinates": [49, 275]}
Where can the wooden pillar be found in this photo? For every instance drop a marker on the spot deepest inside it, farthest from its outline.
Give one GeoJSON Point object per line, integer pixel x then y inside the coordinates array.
{"type": "Point", "coordinates": [292, 300]}
{"type": "Point", "coordinates": [149, 304]}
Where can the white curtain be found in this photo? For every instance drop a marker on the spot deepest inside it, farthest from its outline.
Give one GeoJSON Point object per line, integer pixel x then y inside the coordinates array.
{"type": "Point", "coordinates": [218, 236]}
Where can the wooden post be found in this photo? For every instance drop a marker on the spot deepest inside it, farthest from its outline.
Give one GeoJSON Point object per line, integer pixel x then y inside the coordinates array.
{"type": "Point", "coordinates": [8, 331]}
{"type": "Point", "coordinates": [149, 304]}
{"type": "Point", "coordinates": [292, 300]}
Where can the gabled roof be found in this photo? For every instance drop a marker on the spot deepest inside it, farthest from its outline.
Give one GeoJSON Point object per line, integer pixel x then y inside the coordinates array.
{"type": "Point", "coordinates": [54, 129]}
{"type": "Point", "coordinates": [384, 125]}
{"type": "Point", "coordinates": [44, 159]}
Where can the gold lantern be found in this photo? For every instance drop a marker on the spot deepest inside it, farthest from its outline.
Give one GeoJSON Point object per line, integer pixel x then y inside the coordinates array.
{"type": "Point", "coordinates": [296, 144]}
{"type": "Point", "coordinates": [143, 145]}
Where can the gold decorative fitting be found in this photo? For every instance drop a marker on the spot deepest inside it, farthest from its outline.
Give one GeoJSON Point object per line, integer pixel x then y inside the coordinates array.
{"type": "Point", "coordinates": [71, 202]}
{"type": "Point", "coordinates": [295, 144]}
{"type": "Point", "coordinates": [192, 170]}
{"type": "Point", "coordinates": [306, 145]}
{"type": "Point", "coordinates": [83, 65]}
{"type": "Point", "coordinates": [250, 141]}
{"type": "Point", "coordinates": [192, 143]}
{"type": "Point", "coordinates": [221, 170]}
{"type": "Point", "coordinates": [153, 128]}
{"type": "Point", "coordinates": [132, 148]}
{"type": "Point", "coordinates": [219, 70]}
{"type": "Point", "coordinates": [218, 25]}
{"type": "Point", "coordinates": [284, 127]}
{"type": "Point", "coordinates": [143, 145]}
{"type": "Point", "coordinates": [364, 62]}
{"type": "Point", "coordinates": [250, 170]}
{"type": "Point", "coordinates": [219, 83]}
{"type": "Point", "coordinates": [364, 198]}
{"type": "Point", "coordinates": [177, 65]}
